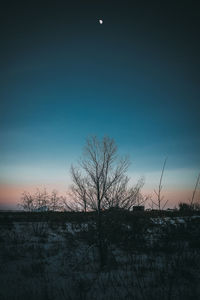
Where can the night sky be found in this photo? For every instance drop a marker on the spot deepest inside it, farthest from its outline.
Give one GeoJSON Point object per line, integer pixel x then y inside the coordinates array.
{"type": "Point", "coordinates": [65, 77]}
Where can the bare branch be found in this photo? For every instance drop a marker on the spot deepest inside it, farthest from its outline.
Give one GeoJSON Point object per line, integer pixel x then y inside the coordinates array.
{"type": "Point", "coordinates": [195, 189]}
{"type": "Point", "coordinates": [158, 193]}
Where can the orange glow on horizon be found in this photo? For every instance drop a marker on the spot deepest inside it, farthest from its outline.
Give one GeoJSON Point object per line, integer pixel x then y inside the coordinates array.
{"type": "Point", "coordinates": [11, 193]}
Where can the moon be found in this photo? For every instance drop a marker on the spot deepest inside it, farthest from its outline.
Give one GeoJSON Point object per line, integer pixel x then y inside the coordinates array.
{"type": "Point", "coordinates": [100, 21]}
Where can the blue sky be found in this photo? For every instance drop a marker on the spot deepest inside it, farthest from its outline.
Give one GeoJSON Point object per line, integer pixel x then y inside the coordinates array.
{"type": "Point", "coordinates": [65, 77]}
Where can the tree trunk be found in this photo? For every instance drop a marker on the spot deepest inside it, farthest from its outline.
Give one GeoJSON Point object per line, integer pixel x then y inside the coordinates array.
{"type": "Point", "coordinates": [101, 244]}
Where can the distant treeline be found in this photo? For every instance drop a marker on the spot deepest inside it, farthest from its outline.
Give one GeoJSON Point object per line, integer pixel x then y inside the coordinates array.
{"type": "Point", "coordinates": [121, 215]}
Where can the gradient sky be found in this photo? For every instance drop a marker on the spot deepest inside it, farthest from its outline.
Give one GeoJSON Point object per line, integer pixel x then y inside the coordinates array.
{"type": "Point", "coordinates": [64, 77]}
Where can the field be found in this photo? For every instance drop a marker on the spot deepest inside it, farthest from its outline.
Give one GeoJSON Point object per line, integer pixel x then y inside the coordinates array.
{"type": "Point", "coordinates": [149, 255]}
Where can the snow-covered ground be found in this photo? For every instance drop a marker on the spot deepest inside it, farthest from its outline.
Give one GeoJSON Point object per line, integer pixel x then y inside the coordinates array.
{"type": "Point", "coordinates": [48, 260]}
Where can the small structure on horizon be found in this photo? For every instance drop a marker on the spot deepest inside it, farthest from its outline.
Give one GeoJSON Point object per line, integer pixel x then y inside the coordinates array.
{"type": "Point", "coordinates": [138, 208]}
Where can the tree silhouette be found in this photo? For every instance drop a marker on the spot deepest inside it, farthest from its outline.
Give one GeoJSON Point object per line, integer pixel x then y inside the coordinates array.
{"type": "Point", "coordinates": [100, 182]}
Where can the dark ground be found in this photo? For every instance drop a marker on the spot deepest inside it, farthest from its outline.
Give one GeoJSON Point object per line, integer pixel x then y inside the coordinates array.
{"type": "Point", "coordinates": [53, 255]}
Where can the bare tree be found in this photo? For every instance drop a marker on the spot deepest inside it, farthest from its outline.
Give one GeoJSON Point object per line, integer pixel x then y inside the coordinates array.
{"type": "Point", "coordinates": [100, 182]}
{"type": "Point", "coordinates": [36, 201]}
{"type": "Point", "coordinates": [79, 192]}
{"type": "Point", "coordinates": [41, 200]}
{"type": "Point", "coordinates": [122, 196]}
{"type": "Point", "coordinates": [195, 189]}
{"type": "Point", "coordinates": [27, 201]}
{"type": "Point", "coordinates": [102, 172]}
{"type": "Point", "coordinates": [55, 201]}
{"type": "Point", "coordinates": [160, 198]}
{"type": "Point", "coordinates": [69, 204]}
